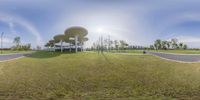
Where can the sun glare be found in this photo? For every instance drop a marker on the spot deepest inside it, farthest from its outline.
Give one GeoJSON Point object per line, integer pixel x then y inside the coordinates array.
{"type": "Point", "coordinates": [100, 29]}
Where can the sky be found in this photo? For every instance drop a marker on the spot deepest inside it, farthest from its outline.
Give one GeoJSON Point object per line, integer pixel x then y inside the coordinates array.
{"type": "Point", "coordinates": [138, 22]}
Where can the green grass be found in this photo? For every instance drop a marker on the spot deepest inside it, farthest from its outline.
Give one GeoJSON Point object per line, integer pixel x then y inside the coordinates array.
{"type": "Point", "coordinates": [89, 76]}
{"type": "Point", "coordinates": [179, 51]}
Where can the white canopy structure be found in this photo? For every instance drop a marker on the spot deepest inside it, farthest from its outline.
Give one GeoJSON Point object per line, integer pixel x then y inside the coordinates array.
{"type": "Point", "coordinates": [77, 33]}
{"type": "Point", "coordinates": [73, 38]}
{"type": "Point", "coordinates": [60, 38]}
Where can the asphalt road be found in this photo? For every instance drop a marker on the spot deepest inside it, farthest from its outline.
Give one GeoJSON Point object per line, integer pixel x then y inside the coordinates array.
{"type": "Point", "coordinates": [178, 57]}
{"type": "Point", "coordinates": [6, 57]}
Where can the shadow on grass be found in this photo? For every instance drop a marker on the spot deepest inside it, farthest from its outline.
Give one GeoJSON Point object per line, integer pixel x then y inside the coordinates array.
{"type": "Point", "coordinates": [47, 54]}
{"type": "Point", "coordinates": [43, 54]}
{"type": "Point", "coordinates": [107, 59]}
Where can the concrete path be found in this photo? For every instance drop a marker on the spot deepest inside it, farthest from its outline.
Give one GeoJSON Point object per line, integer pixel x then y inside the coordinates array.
{"type": "Point", "coordinates": [6, 57]}
{"type": "Point", "coordinates": [185, 58]}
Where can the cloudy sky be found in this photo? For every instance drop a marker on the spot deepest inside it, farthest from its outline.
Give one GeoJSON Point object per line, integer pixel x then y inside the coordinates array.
{"type": "Point", "coordinates": [139, 22]}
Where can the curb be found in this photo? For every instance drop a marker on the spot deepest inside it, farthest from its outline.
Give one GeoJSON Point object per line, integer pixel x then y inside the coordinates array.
{"type": "Point", "coordinates": [150, 53]}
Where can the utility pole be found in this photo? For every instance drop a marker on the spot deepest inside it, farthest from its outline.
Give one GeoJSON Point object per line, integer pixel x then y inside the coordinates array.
{"type": "Point", "coordinates": [2, 42]}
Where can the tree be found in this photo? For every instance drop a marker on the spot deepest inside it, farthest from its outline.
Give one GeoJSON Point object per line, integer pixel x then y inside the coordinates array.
{"type": "Point", "coordinates": [158, 44]}
{"type": "Point", "coordinates": [47, 44]}
{"type": "Point", "coordinates": [151, 47]}
{"type": "Point", "coordinates": [123, 44]}
{"type": "Point", "coordinates": [111, 44]}
{"type": "Point", "coordinates": [181, 45]}
{"type": "Point", "coordinates": [51, 43]}
{"type": "Point", "coordinates": [174, 43]}
{"type": "Point", "coordinates": [168, 44]}
{"type": "Point", "coordinates": [29, 46]}
{"type": "Point", "coordinates": [105, 46]}
{"type": "Point", "coordinates": [94, 46]}
{"type": "Point", "coordinates": [17, 41]}
{"type": "Point", "coordinates": [116, 44]}
{"type": "Point", "coordinates": [38, 47]}
{"type": "Point", "coordinates": [185, 46]}
{"type": "Point", "coordinates": [25, 47]}
{"type": "Point", "coordinates": [164, 45]}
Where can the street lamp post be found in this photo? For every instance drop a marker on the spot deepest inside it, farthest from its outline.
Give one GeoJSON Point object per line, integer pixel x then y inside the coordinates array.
{"type": "Point", "coordinates": [2, 42]}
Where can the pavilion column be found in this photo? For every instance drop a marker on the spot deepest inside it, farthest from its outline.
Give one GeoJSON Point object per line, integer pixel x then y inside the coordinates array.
{"type": "Point", "coordinates": [82, 46]}
{"type": "Point", "coordinates": [61, 45]}
{"type": "Point", "coordinates": [70, 48]}
{"type": "Point", "coordinates": [54, 48]}
{"type": "Point", "coordinates": [76, 46]}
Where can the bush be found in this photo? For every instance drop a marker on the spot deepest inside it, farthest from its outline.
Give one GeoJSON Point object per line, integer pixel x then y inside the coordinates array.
{"type": "Point", "coordinates": [22, 47]}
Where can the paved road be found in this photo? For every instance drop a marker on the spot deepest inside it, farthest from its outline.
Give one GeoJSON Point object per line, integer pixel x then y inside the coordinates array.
{"type": "Point", "coordinates": [178, 57]}
{"type": "Point", "coordinates": [6, 57]}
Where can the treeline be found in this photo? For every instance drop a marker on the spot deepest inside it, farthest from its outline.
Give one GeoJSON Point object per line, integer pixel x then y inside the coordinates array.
{"type": "Point", "coordinates": [108, 45]}
{"type": "Point", "coordinates": [173, 44]}
{"type": "Point", "coordinates": [19, 46]}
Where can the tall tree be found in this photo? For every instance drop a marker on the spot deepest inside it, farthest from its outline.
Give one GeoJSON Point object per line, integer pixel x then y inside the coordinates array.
{"type": "Point", "coordinates": [185, 46]}
{"type": "Point", "coordinates": [17, 41]}
{"type": "Point", "coordinates": [168, 44]}
{"type": "Point", "coordinates": [158, 44]}
{"type": "Point", "coordinates": [123, 44]}
{"type": "Point", "coordinates": [111, 44]}
{"type": "Point", "coordinates": [181, 45]}
{"type": "Point", "coordinates": [151, 47]}
{"type": "Point", "coordinates": [116, 44]}
{"type": "Point", "coordinates": [164, 45]}
{"type": "Point", "coordinates": [38, 47]}
{"type": "Point", "coordinates": [174, 43]}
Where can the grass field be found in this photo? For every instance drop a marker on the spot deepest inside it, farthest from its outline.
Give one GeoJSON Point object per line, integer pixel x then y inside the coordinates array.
{"type": "Point", "coordinates": [179, 51]}
{"type": "Point", "coordinates": [89, 76]}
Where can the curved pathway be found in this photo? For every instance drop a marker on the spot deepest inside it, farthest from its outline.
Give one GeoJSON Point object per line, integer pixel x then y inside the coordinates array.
{"type": "Point", "coordinates": [185, 58]}
{"type": "Point", "coordinates": [6, 57]}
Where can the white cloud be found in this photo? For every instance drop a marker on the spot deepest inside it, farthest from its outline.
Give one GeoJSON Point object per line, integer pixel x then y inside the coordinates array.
{"type": "Point", "coordinates": [11, 19]}
{"type": "Point", "coordinates": [191, 41]}
{"type": "Point", "coordinates": [7, 40]}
